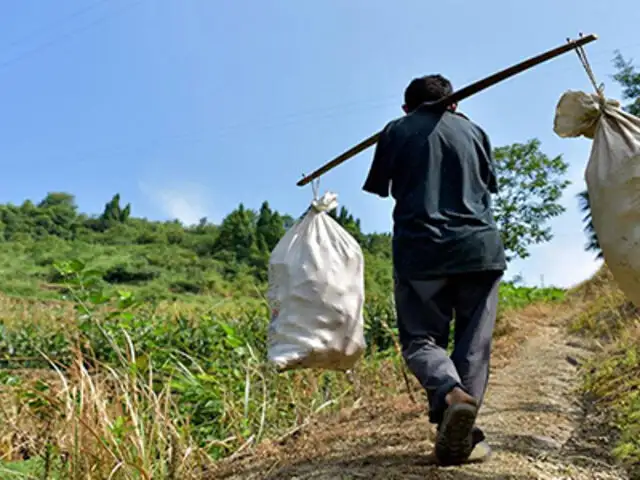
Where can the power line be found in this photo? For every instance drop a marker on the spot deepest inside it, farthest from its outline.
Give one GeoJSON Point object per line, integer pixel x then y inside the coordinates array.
{"type": "Point", "coordinates": [289, 119]}
{"type": "Point", "coordinates": [46, 27]}
{"type": "Point", "coordinates": [347, 108]}
{"type": "Point", "coordinates": [294, 117]}
{"type": "Point", "coordinates": [128, 6]}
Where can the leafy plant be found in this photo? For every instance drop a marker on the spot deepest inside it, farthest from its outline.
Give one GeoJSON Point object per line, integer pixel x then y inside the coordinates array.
{"type": "Point", "coordinates": [592, 238]}
{"type": "Point", "coordinates": [530, 185]}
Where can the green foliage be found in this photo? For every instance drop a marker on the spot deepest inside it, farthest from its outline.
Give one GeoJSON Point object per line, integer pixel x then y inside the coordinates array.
{"type": "Point", "coordinates": [612, 376]}
{"type": "Point", "coordinates": [513, 296]}
{"type": "Point", "coordinates": [592, 238]}
{"type": "Point", "coordinates": [613, 379]}
{"type": "Point", "coordinates": [629, 79]}
{"type": "Point", "coordinates": [159, 261]}
{"type": "Point", "coordinates": [209, 369]}
{"type": "Point", "coordinates": [168, 261]}
{"type": "Point", "coordinates": [530, 187]}
{"type": "Point", "coordinates": [113, 213]}
{"type": "Point", "coordinates": [175, 318]}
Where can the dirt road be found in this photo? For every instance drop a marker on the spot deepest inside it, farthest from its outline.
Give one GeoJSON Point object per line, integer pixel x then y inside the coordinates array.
{"type": "Point", "coordinates": [537, 427]}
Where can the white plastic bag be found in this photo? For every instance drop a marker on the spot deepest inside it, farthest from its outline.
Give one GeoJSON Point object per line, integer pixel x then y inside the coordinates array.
{"type": "Point", "coordinates": [316, 294]}
{"type": "Point", "coordinates": [613, 179]}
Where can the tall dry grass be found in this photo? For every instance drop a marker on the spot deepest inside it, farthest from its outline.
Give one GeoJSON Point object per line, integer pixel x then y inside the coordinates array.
{"type": "Point", "coordinates": [114, 390]}
{"type": "Point", "coordinates": [98, 422]}
{"type": "Point", "coordinates": [136, 417]}
{"type": "Point", "coordinates": [612, 378]}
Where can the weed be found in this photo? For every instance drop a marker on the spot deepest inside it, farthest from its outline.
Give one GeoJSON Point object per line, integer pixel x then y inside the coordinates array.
{"type": "Point", "coordinates": [613, 376]}
{"type": "Point", "coordinates": [104, 384]}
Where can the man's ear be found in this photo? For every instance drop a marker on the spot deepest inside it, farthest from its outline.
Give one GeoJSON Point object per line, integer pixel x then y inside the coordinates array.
{"type": "Point", "coordinates": [453, 107]}
{"type": "Point", "coordinates": [405, 109]}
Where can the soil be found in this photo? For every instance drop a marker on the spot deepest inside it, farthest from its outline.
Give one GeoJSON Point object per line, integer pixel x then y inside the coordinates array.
{"type": "Point", "coordinates": [536, 421]}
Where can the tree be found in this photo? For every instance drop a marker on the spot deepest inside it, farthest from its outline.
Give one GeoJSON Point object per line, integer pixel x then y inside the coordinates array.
{"type": "Point", "coordinates": [269, 228]}
{"type": "Point", "coordinates": [55, 215]}
{"type": "Point", "coordinates": [379, 244]}
{"type": "Point", "coordinates": [629, 79]}
{"type": "Point", "coordinates": [592, 238]}
{"type": "Point", "coordinates": [59, 199]}
{"type": "Point", "coordinates": [114, 213]}
{"type": "Point", "coordinates": [530, 187]}
{"type": "Point", "coordinates": [237, 236]}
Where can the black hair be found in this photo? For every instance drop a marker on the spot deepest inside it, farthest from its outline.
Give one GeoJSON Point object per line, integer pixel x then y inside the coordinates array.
{"type": "Point", "coordinates": [429, 88]}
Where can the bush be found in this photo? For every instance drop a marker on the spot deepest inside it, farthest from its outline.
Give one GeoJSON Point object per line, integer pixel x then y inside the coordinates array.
{"type": "Point", "coordinates": [126, 273]}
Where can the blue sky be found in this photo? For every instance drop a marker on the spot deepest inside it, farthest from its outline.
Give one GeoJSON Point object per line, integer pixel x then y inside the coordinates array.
{"type": "Point", "coordinates": [189, 107]}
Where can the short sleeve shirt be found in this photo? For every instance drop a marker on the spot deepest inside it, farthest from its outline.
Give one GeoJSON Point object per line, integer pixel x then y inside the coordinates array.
{"type": "Point", "coordinates": [439, 169]}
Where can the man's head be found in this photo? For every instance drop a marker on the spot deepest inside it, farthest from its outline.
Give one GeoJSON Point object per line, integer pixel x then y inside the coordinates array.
{"type": "Point", "coordinates": [429, 88]}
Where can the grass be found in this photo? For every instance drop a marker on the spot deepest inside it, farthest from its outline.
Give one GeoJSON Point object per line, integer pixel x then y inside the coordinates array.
{"type": "Point", "coordinates": [613, 375]}
{"type": "Point", "coordinates": [105, 385]}
{"type": "Point", "coordinates": [156, 272]}
{"type": "Point", "coordinates": [102, 385]}
{"type": "Point", "coordinates": [514, 296]}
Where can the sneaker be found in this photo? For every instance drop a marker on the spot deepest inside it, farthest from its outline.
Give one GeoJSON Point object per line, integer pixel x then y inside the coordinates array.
{"type": "Point", "coordinates": [481, 453]}
{"type": "Point", "coordinates": [455, 442]}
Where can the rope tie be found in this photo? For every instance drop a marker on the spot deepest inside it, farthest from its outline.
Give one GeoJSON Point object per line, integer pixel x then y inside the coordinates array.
{"type": "Point", "coordinates": [582, 55]}
{"type": "Point", "coordinates": [315, 188]}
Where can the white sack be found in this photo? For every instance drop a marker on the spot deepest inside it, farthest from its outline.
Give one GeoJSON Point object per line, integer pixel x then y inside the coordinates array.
{"type": "Point", "coordinates": [316, 294]}
{"type": "Point", "coordinates": [613, 179]}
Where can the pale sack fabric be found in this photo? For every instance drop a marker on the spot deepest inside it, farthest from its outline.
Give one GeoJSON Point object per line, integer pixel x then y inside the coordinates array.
{"type": "Point", "coordinates": [316, 294]}
{"type": "Point", "coordinates": [613, 179]}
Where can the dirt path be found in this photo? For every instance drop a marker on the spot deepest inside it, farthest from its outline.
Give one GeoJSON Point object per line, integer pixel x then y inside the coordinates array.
{"type": "Point", "coordinates": [536, 426]}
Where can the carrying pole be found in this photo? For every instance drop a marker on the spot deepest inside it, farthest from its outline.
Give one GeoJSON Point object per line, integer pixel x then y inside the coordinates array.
{"type": "Point", "coordinates": [456, 97]}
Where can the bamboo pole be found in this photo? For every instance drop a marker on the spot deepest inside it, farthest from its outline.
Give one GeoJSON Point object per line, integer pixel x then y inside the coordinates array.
{"type": "Point", "coordinates": [456, 97]}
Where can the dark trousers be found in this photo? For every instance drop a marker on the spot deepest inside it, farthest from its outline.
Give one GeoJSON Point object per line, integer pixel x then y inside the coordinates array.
{"type": "Point", "coordinates": [425, 311]}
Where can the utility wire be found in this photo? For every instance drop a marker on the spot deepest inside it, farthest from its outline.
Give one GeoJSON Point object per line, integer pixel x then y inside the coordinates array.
{"type": "Point", "coordinates": [192, 139]}
{"type": "Point", "coordinates": [331, 112]}
{"type": "Point", "coordinates": [292, 118]}
{"type": "Point", "coordinates": [46, 27]}
{"type": "Point", "coordinates": [128, 6]}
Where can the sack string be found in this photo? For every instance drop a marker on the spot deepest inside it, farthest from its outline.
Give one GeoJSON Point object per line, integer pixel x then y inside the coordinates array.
{"type": "Point", "coordinates": [582, 55]}
{"type": "Point", "coordinates": [315, 188]}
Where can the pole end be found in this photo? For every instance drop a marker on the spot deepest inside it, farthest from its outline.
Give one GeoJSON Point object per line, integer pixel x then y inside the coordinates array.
{"type": "Point", "coordinates": [585, 38]}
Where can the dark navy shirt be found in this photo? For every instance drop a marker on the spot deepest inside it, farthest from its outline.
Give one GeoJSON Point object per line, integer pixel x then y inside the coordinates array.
{"type": "Point", "coordinates": [439, 167]}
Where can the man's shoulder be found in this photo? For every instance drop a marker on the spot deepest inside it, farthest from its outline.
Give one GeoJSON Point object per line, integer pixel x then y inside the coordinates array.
{"type": "Point", "coordinates": [394, 129]}
{"type": "Point", "coordinates": [464, 122]}
{"type": "Point", "coordinates": [407, 125]}
{"type": "Point", "coordinates": [462, 119]}
{"type": "Point", "coordinates": [394, 125]}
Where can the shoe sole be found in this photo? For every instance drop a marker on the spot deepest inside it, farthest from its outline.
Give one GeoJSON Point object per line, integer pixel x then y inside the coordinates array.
{"type": "Point", "coordinates": [454, 443]}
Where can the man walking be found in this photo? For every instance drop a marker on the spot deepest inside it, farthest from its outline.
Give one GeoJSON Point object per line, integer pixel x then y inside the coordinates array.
{"type": "Point", "coordinates": [448, 257]}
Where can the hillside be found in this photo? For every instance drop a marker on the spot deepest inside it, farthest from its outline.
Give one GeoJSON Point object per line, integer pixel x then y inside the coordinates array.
{"type": "Point", "coordinates": [159, 261]}
{"type": "Point", "coordinates": [562, 377]}
{"type": "Point", "coordinates": [612, 378]}
{"type": "Point", "coordinates": [103, 371]}
{"type": "Point", "coordinates": [124, 341]}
